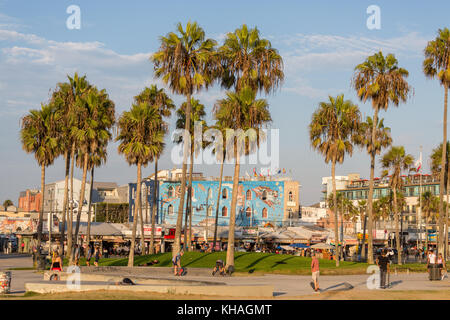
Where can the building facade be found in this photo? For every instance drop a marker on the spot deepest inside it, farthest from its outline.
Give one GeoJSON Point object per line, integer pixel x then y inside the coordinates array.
{"type": "Point", "coordinates": [354, 188]}
{"type": "Point", "coordinates": [29, 201]}
{"type": "Point", "coordinates": [258, 202]}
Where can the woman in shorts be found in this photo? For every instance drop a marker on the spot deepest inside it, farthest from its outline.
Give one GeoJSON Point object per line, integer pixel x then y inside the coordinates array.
{"type": "Point", "coordinates": [56, 262]}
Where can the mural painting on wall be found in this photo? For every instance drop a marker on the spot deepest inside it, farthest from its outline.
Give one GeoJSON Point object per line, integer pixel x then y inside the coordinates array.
{"type": "Point", "coordinates": [268, 196]}
{"type": "Point", "coordinates": [15, 225]}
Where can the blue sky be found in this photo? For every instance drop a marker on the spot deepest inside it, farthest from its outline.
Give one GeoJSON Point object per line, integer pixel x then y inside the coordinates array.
{"type": "Point", "coordinates": [320, 41]}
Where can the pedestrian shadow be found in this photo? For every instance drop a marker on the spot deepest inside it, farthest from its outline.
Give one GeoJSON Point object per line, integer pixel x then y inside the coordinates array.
{"type": "Point", "coordinates": [394, 283]}
{"type": "Point", "coordinates": [344, 286]}
{"type": "Point", "coordinates": [277, 263]}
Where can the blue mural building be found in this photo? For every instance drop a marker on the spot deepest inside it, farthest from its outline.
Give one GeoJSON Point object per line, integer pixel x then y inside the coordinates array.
{"type": "Point", "coordinates": [258, 203]}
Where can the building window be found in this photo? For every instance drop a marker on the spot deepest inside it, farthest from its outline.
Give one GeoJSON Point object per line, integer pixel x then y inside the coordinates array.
{"type": "Point", "coordinates": [264, 213]}
{"type": "Point", "coordinates": [171, 192]}
{"type": "Point", "coordinates": [225, 193]}
{"type": "Point", "coordinates": [209, 193]}
{"type": "Point", "coordinates": [249, 195]}
{"type": "Point", "coordinates": [170, 209]}
{"type": "Point", "coordinates": [290, 213]}
{"type": "Point", "coordinates": [224, 211]}
{"type": "Point", "coordinates": [248, 212]}
{"type": "Point", "coordinates": [291, 196]}
{"type": "Point", "coordinates": [264, 195]}
{"type": "Point", "coordinates": [210, 211]}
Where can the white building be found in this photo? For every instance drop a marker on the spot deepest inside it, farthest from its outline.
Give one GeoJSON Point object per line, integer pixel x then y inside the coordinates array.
{"type": "Point", "coordinates": [313, 214]}
{"type": "Point", "coordinates": [54, 197]}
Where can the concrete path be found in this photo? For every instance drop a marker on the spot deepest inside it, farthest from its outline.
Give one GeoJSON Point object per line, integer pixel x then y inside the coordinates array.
{"type": "Point", "coordinates": [284, 285]}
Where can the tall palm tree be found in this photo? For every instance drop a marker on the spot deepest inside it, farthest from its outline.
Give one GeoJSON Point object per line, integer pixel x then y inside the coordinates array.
{"type": "Point", "coordinates": [396, 161]}
{"type": "Point", "coordinates": [241, 111]}
{"type": "Point", "coordinates": [249, 60]}
{"type": "Point", "coordinates": [197, 116]}
{"type": "Point", "coordinates": [140, 141]}
{"type": "Point", "coordinates": [96, 117]}
{"type": "Point", "coordinates": [437, 64]}
{"type": "Point", "coordinates": [158, 98]}
{"type": "Point", "coordinates": [436, 161]}
{"type": "Point", "coordinates": [331, 131]}
{"type": "Point", "coordinates": [380, 80]}
{"type": "Point", "coordinates": [39, 135]}
{"type": "Point", "coordinates": [221, 154]}
{"type": "Point", "coordinates": [187, 62]}
{"type": "Point", "coordinates": [76, 88]}
{"type": "Point", "coordinates": [362, 208]}
{"type": "Point", "coordinates": [428, 202]}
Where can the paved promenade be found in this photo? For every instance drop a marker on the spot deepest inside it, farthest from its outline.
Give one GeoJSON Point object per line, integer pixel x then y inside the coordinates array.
{"type": "Point", "coordinates": [284, 285]}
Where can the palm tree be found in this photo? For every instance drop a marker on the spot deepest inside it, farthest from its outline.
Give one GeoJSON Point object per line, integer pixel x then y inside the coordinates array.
{"type": "Point", "coordinates": [96, 117]}
{"type": "Point", "coordinates": [221, 154]}
{"type": "Point", "coordinates": [333, 127]}
{"type": "Point", "coordinates": [140, 142]}
{"type": "Point", "coordinates": [39, 135]}
{"type": "Point", "coordinates": [396, 161]}
{"type": "Point", "coordinates": [436, 161]}
{"type": "Point", "coordinates": [197, 115]}
{"type": "Point", "coordinates": [428, 202]}
{"type": "Point", "coordinates": [246, 115]}
{"type": "Point", "coordinates": [248, 60]}
{"type": "Point", "coordinates": [7, 203]}
{"type": "Point", "coordinates": [187, 63]}
{"type": "Point", "coordinates": [152, 96]}
{"type": "Point", "coordinates": [380, 80]}
{"type": "Point", "coordinates": [362, 208]}
{"type": "Point", "coordinates": [437, 64]}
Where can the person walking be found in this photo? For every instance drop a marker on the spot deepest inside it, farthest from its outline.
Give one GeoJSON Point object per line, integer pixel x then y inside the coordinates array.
{"type": "Point", "coordinates": [442, 266]}
{"type": "Point", "coordinates": [315, 271]}
{"type": "Point", "coordinates": [89, 255]}
{"type": "Point", "coordinates": [176, 262]}
{"type": "Point", "coordinates": [97, 255]}
{"type": "Point", "coordinates": [383, 263]}
{"type": "Point", "coordinates": [56, 262]}
{"type": "Point", "coordinates": [431, 261]}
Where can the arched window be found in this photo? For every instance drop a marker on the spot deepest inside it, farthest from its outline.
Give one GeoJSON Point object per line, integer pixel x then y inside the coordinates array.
{"type": "Point", "coordinates": [264, 195]}
{"type": "Point", "coordinates": [170, 209]}
{"type": "Point", "coordinates": [248, 195]}
{"type": "Point", "coordinates": [264, 213]}
{"type": "Point", "coordinates": [210, 211]}
{"type": "Point", "coordinates": [290, 214]}
{"type": "Point", "coordinates": [248, 212]}
{"type": "Point", "coordinates": [225, 193]}
{"type": "Point", "coordinates": [171, 192]}
{"type": "Point", "coordinates": [224, 211]}
{"type": "Point", "coordinates": [209, 193]}
{"type": "Point", "coordinates": [291, 196]}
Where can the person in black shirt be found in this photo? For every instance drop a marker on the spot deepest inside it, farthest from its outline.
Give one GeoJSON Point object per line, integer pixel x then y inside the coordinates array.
{"type": "Point", "coordinates": [383, 264]}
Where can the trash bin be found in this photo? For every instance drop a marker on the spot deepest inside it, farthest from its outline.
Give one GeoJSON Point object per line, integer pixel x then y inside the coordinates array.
{"type": "Point", "coordinates": [435, 272]}
{"type": "Point", "coordinates": [41, 262]}
{"type": "Point", "coordinates": [5, 282]}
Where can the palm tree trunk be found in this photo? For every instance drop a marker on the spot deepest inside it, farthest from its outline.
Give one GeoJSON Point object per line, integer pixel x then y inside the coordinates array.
{"type": "Point", "coordinates": [397, 231]}
{"type": "Point", "coordinates": [446, 248]}
{"type": "Point", "coordinates": [336, 230]}
{"type": "Point", "coordinates": [83, 187]}
{"type": "Point", "coordinates": [88, 232]}
{"type": "Point", "coordinates": [426, 230]}
{"type": "Point", "coordinates": [440, 246]}
{"type": "Point", "coordinates": [155, 187]}
{"type": "Point", "coordinates": [370, 196]}
{"type": "Point", "coordinates": [137, 204]}
{"type": "Point", "coordinates": [177, 241]}
{"type": "Point", "coordinates": [65, 206]}
{"type": "Point", "coordinates": [143, 251]}
{"type": "Point", "coordinates": [187, 240]}
{"type": "Point", "coordinates": [41, 211]}
{"type": "Point", "coordinates": [218, 205]}
{"type": "Point", "coordinates": [232, 223]}
{"type": "Point", "coordinates": [70, 217]}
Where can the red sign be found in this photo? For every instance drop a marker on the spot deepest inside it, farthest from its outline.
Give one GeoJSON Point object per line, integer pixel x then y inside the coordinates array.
{"type": "Point", "coordinates": [170, 234]}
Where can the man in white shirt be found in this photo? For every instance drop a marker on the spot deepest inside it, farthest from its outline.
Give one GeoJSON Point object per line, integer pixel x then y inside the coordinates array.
{"type": "Point", "coordinates": [431, 261]}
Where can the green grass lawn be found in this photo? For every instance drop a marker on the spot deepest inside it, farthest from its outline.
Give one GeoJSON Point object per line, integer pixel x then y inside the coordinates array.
{"type": "Point", "coordinates": [257, 263]}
